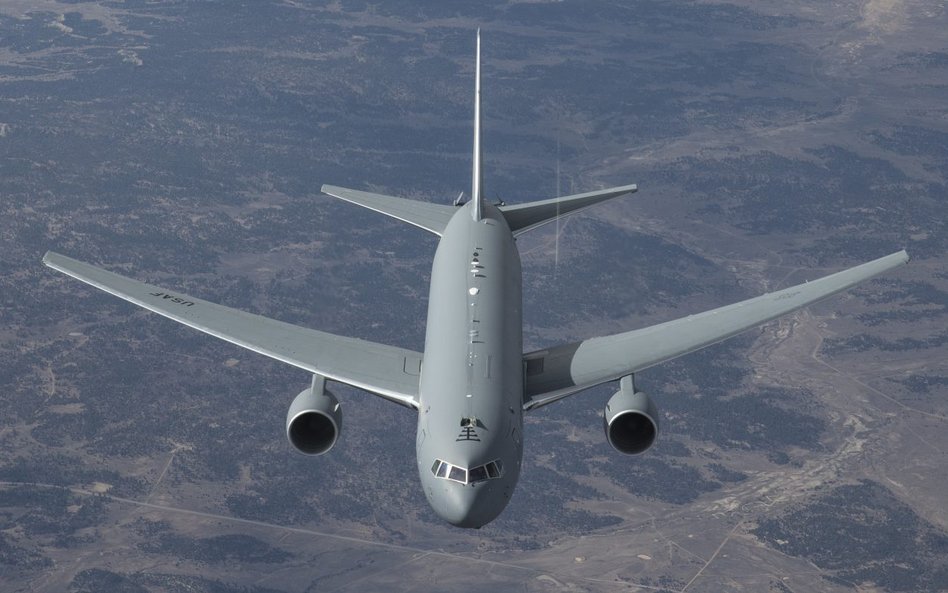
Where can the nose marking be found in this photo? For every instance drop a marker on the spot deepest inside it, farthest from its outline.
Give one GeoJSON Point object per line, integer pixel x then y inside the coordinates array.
{"type": "Point", "coordinates": [468, 434]}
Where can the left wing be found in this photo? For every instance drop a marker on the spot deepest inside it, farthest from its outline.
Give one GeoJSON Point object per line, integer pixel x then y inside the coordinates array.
{"type": "Point", "coordinates": [386, 371]}
{"type": "Point", "coordinates": [562, 371]}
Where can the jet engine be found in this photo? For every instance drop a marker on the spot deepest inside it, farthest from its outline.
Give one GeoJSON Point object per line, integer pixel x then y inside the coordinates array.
{"type": "Point", "coordinates": [314, 419]}
{"type": "Point", "coordinates": [630, 420]}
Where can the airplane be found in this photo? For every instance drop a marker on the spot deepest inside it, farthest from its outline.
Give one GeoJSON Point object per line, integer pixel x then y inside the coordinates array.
{"type": "Point", "coordinates": [472, 383]}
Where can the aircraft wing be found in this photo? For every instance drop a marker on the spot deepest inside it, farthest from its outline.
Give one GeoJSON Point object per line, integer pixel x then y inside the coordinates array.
{"type": "Point", "coordinates": [386, 371]}
{"type": "Point", "coordinates": [558, 372]}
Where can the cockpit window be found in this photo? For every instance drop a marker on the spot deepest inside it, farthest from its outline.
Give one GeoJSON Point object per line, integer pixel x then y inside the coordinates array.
{"type": "Point", "coordinates": [480, 473]}
{"type": "Point", "coordinates": [458, 474]}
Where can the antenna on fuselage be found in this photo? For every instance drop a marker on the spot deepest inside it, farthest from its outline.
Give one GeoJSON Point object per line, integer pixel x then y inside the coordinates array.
{"type": "Point", "coordinates": [477, 179]}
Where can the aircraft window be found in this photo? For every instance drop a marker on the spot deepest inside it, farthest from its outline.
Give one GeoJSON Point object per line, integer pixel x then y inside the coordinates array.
{"type": "Point", "coordinates": [478, 473]}
{"type": "Point", "coordinates": [458, 474]}
{"type": "Point", "coordinates": [488, 471]}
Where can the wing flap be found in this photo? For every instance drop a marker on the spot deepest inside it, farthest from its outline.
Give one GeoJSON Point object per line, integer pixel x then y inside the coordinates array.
{"type": "Point", "coordinates": [431, 217]}
{"type": "Point", "coordinates": [564, 370]}
{"type": "Point", "coordinates": [384, 370]}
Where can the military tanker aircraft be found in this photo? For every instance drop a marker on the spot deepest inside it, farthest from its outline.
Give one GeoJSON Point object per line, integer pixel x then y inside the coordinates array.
{"type": "Point", "coordinates": [472, 384]}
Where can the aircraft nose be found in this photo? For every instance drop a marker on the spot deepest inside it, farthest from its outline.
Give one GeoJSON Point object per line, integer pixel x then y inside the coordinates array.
{"type": "Point", "coordinates": [468, 507]}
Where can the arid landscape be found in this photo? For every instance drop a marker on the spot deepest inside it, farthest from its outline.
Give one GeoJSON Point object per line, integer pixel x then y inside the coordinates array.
{"type": "Point", "coordinates": [184, 143]}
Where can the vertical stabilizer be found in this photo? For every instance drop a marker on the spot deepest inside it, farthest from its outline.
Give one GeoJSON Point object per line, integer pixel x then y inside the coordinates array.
{"type": "Point", "coordinates": [477, 178]}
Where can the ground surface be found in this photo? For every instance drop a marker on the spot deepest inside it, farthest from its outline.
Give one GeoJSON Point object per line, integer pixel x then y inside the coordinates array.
{"type": "Point", "coordinates": [184, 143]}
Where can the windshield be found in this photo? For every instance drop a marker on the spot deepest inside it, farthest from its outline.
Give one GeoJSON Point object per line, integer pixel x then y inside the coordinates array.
{"type": "Point", "coordinates": [456, 473]}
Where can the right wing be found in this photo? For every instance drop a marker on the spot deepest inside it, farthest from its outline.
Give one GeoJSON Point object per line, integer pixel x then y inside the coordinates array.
{"type": "Point", "coordinates": [556, 373]}
{"type": "Point", "coordinates": [386, 371]}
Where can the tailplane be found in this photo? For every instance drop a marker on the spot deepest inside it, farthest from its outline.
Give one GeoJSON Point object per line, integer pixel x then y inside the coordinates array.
{"type": "Point", "coordinates": [431, 217]}
{"type": "Point", "coordinates": [523, 217]}
{"type": "Point", "coordinates": [434, 217]}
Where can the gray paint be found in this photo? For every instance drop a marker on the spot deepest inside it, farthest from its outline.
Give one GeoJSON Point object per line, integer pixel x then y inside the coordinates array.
{"type": "Point", "coordinates": [472, 366]}
{"type": "Point", "coordinates": [473, 370]}
{"type": "Point", "coordinates": [570, 368]}
{"type": "Point", "coordinates": [526, 217]}
{"type": "Point", "coordinates": [431, 217]}
{"type": "Point", "coordinates": [377, 368]}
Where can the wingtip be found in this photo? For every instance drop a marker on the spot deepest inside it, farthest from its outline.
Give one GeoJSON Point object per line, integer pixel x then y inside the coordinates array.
{"type": "Point", "coordinates": [899, 258]}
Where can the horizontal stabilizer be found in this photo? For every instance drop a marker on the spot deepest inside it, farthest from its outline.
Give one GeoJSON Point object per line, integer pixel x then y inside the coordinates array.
{"type": "Point", "coordinates": [431, 217]}
{"type": "Point", "coordinates": [555, 373]}
{"type": "Point", "coordinates": [523, 217]}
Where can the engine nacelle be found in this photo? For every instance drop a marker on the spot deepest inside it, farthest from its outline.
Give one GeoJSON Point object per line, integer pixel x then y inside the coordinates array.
{"type": "Point", "coordinates": [314, 420]}
{"type": "Point", "coordinates": [630, 420]}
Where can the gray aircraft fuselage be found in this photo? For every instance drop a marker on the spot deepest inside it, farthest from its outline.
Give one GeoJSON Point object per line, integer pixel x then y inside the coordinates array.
{"type": "Point", "coordinates": [471, 390]}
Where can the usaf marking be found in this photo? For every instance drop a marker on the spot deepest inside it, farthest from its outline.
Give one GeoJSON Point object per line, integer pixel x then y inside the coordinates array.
{"type": "Point", "coordinates": [174, 299]}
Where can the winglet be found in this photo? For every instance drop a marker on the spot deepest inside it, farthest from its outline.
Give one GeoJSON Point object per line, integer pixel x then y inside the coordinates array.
{"type": "Point", "coordinates": [476, 177]}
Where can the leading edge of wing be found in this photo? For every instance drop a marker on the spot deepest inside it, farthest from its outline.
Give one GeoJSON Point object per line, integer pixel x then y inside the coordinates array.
{"type": "Point", "coordinates": [431, 217]}
{"type": "Point", "coordinates": [384, 370]}
{"type": "Point", "coordinates": [558, 372]}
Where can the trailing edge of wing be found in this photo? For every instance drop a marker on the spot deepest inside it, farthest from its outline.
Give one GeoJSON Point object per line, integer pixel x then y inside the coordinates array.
{"type": "Point", "coordinates": [524, 217]}
{"type": "Point", "coordinates": [559, 372]}
{"type": "Point", "coordinates": [387, 371]}
{"type": "Point", "coordinates": [431, 217]}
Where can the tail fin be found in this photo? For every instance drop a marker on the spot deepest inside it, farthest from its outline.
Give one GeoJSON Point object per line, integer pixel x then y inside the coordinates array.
{"type": "Point", "coordinates": [477, 179]}
{"type": "Point", "coordinates": [523, 217]}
